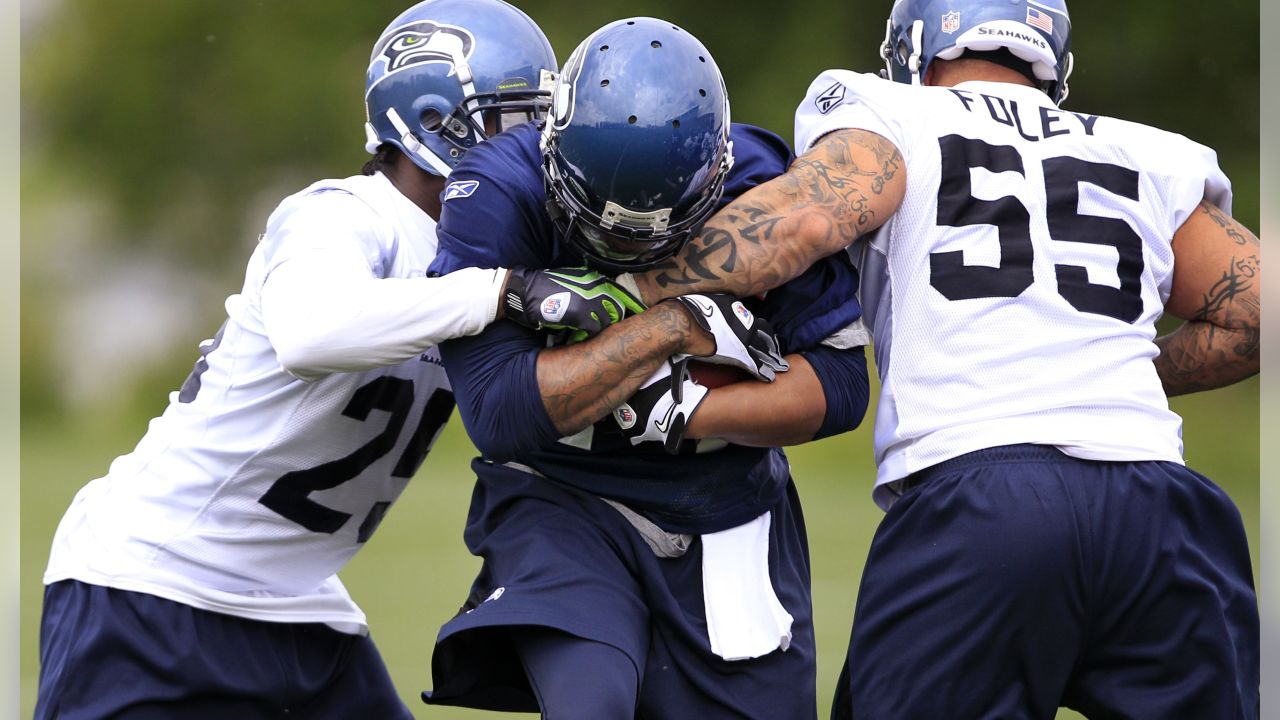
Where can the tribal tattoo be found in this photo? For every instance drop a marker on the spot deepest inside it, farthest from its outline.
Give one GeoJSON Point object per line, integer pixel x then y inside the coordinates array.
{"type": "Point", "coordinates": [843, 188]}
{"type": "Point", "coordinates": [1219, 344]}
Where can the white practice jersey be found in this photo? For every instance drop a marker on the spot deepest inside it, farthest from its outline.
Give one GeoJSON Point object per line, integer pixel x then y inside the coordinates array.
{"type": "Point", "coordinates": [1013, 296]}
{"type": "Point", "coordinates": [301, 423]}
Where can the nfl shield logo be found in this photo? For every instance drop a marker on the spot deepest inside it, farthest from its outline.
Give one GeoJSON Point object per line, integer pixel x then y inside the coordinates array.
{"type": "Point", "coordinates": [951, 22]}
{"type": "Point", "coordinates": [625, 416]}
{"type": "Point", "coordinates": [554, 307]}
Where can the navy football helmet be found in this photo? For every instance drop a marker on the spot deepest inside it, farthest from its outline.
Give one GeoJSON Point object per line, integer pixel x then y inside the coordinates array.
{"type": "Point", "coordinates": [1035, 31]}
{"type": "Point", "coordinates": [441, 65]}
{"type": "Point", "coordinates": [636, 149]}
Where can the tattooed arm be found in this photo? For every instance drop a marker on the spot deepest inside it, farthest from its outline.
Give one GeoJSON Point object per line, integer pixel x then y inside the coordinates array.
{"type": "Point", "coordinates": [582, 383]}
{"type": "Point", "coordinates": [847, 185]}
{"type": "Point", "coordinates": [1216, 283]}
{"type": "Point", "coordinates": [515, 395]}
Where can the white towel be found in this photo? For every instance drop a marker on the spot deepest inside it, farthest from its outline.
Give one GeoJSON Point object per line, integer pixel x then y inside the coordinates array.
{"type": "Point", "coordinates": [744, 617]}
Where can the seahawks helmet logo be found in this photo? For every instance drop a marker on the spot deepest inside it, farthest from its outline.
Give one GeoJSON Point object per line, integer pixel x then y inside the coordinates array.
{"type": "Point", "coordinates": [563, 94]}
{"type": "Point", "coordinates": [424, 42]}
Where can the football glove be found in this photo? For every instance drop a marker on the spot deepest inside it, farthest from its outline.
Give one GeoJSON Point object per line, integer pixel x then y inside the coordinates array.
{"type": "Point", "coordinates": [743, 339]}
{"type": "Point", "coordinates": [660, 410]}
{"type": "Point", "coordinates": [577, 300]}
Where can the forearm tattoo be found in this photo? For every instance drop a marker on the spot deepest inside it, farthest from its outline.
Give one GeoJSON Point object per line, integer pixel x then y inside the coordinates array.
{"type": "Point", "coordinates": [843, 188]}
{"type": "Point", "coordinates": [1219, 344]}
{"type": "Point", "coordinates": [582, 383]}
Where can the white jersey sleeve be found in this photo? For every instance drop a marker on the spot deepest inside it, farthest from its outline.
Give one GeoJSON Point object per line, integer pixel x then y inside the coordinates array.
{"type": "Point", "coordinates": [1013, 296]}
{"type": "Point", "coordinates": [255, 487]}
{"type": "Point", "coordinates": [833, 102]}
{"type": "Point", "coordinates": [332, 303]}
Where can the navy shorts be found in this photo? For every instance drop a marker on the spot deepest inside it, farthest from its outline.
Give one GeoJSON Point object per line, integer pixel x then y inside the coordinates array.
{"type": "Point", "coordinates": [1009, 581]}
{"type": "Point", "coordinates": [557, 558]}
{"type": "Point", "coordinates": [120, 654]}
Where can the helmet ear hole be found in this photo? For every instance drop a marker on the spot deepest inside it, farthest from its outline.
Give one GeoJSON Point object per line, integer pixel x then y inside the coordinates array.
{"type": "Point", "coordinates": [432, 120]}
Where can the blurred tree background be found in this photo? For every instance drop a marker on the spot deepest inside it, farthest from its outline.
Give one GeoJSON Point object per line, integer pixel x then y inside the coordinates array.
{"type": "Point", "coordinates": [158, 135]}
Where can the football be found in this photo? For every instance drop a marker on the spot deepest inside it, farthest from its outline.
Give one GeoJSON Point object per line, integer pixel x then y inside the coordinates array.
{"type": "Point", "coordinates": [712, 375]}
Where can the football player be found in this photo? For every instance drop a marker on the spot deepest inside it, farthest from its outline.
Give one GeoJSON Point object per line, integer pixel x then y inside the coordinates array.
{"type": "Point", "coordinates": [1044, 543]}
{"type": "Point", "coordinates": [197, 578]}
{"type": "Point", "coordinates": [643, 546]}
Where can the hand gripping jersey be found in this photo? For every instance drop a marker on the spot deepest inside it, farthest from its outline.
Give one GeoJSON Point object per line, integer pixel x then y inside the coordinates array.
{"type": "Point", "coordinates": [254, 487]}
{"type": "Point", "coordinates": [1013, 296]}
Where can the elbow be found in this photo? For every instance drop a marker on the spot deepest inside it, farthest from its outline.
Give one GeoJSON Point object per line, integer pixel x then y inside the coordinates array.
{"type": "Point", "coordinates": [1248, 348]}
{"type": "Point", "coordinates": [846, 386]}
{"type": "Point", "coordinates": [304, 360]}
{"type": "Point", "coordinates": [844, 419]}
{"type": "Point", "coordinates": [498, 433]}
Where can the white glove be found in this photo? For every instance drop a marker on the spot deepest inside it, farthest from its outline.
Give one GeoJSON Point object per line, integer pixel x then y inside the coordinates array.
{"type": "Point", "coordinates": [743, 339]}
{"type": "Point", "coordinates": [660, 410]}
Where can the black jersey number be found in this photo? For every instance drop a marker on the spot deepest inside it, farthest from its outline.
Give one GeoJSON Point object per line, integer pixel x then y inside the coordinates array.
{"type": "Point", "coordinates": [288, 496]}
{"type": "Point", "coordinates": [957, 207]}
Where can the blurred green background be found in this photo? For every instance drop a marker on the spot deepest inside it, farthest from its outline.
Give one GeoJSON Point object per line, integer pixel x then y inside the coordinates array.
{"type": "Point", "coordinates": [158, 135]}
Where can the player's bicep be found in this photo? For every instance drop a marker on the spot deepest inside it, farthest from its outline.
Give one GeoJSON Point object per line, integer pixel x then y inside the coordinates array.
{"type": "Point", "coordinates": [859, 176]}
{"type": "Point", "coordinates": [1217, 271]}
{"type": "Point", "coordinates": [846, 185]}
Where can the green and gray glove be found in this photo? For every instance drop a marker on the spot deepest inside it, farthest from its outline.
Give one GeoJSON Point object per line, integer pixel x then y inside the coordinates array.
{"type": "Point", "coordinates": [578, 300]}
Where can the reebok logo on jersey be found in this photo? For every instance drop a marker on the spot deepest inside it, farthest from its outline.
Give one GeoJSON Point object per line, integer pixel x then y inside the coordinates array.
{"type": "Point", "coordinates": [554, 307]}
{"type": "Point", "coordinates": [625, 416]}
{"type": "Point", "coordinates": [744, 315]}
{"type": "Point", "coordinates": [492, 596]}
{"type": "Point", "coordinates": [460, 189]}
{"type": "Point", "coordinates": [830, 98]}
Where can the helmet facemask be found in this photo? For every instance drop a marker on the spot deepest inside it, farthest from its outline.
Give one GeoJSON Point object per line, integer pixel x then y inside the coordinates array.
{"type": "Point", "coordinates": [620, 239]}
{"type": "Point", "coordinates": [514, 102]}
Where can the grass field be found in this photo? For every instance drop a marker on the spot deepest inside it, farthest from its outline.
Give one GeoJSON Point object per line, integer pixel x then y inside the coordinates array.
{"type": "Point", "coordinates": [416, 572]}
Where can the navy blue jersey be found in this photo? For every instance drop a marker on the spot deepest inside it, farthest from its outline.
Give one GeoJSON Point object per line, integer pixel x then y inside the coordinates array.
{"type": "Point", "coordinates": [494, 215]}
{"type": "Point", "coordinates": [494, 210]}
